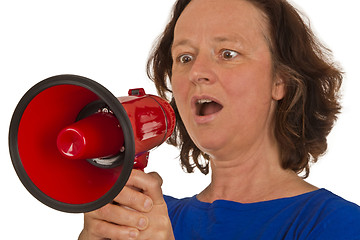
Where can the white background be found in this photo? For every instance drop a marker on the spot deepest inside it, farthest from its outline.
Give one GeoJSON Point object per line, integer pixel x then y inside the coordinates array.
{"type": "Point", "coordinates": [109, 41]}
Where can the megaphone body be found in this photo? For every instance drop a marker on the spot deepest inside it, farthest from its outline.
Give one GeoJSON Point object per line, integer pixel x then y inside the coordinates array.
{"type": "Point", "coordinates": [73, 144]}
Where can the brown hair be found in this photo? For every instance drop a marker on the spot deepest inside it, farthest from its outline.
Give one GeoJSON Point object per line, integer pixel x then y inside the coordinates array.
{"type": "Point", "coordinates": [304, 117]}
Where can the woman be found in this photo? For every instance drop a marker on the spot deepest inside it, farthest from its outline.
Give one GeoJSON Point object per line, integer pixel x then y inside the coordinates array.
{"type": "Point", "coordinates": [256, 96]}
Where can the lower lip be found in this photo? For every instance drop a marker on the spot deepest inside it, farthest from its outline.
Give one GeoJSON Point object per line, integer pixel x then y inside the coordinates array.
{"type": "Point", "coordinates": [205, 119]}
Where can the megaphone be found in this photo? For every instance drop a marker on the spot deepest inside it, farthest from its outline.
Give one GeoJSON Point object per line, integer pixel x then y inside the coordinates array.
{"type": "Point", "coordinates": [73, 144]}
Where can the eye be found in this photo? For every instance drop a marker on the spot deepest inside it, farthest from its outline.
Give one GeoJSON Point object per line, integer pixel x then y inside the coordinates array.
{"type": "Point", "coordinates": [185, 58]}
{"type": "Point", "coordinates": [228, 54]}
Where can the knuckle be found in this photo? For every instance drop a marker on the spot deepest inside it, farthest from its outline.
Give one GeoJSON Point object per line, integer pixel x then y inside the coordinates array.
{"type": "Point", "coordinates": [133, 197]}
{"type": "Point", "coordinates": [128, 217]}
{"type": "Point", "coordinates": [156, 175]}
{"type": "Point", "coordinates": [135, 200]}
{"type": "Point", "coordinates": [161, 235]}
{"type": "Point", "coordinates": [153, 183]}
{"type": "Point", "coordinates": [98, 228]}
{"type": "Point", "coordinates": [163, 221]}
{"type": "Point", "coordinates": [103, 212]}
{"type": "Point", "coordinates": [129, 196]}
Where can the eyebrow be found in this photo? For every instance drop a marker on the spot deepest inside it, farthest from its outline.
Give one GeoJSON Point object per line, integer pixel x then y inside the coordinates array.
{"type": "Point", "coordinates": [231, 38]}
{"type": "Point", "coordinates": [225, 39]}
{"type": "Point", "coordinates": [180, 43]}
{"type": "Point", "coordinates": [235, 39]}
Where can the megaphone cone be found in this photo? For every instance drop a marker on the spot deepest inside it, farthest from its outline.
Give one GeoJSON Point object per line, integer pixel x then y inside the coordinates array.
{"type": "Point", "coordinates": [73, 144]}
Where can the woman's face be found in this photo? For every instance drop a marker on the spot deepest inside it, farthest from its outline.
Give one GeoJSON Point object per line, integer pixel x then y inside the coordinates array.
{"type": "Point", "coordinates": [222, 77]}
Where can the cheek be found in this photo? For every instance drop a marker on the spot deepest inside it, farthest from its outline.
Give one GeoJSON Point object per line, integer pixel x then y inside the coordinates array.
{"type": "Point", "coordinates": [180, 91]}
{"type": "Point", "coordinates": [250, 92]}
{"type": "Point", "coordinates": [251, 85]}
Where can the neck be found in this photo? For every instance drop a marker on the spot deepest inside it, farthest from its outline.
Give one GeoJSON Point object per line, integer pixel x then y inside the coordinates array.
{"type": "Point", "coordinates": [253, 176]}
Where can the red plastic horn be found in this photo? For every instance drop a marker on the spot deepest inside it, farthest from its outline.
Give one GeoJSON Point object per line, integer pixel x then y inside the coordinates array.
{"type": "Point", "coordinates": [73, 144]}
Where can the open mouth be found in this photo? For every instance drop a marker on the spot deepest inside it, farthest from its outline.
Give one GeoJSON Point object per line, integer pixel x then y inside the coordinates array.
{"type": "Point", "coordinates": [206, 107]}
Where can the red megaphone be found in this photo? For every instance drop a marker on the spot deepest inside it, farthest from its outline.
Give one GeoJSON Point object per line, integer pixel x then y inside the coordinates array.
{"type": "Point", "coordinates": [73, 144]}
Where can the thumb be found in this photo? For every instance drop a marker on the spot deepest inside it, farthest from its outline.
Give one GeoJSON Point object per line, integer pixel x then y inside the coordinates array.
{"type": "Point", "coordinates": [148, 183]}
{"type": "Point", "coordinates": [154, 188]}
{"type": "Point", "coordinates": [157, 177]}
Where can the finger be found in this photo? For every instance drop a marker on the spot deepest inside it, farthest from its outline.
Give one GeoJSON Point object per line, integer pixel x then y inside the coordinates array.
{"type": "Point", "coordinates": [133, 198]}
{"type": "Point", "coordinates": [157, 177]}
{"type": "Point", "coordinates": [150, 184]}
{"type": "Point", "coordinates": [121, 215]}
{"type": "Point", "coordinates": [102, 229]}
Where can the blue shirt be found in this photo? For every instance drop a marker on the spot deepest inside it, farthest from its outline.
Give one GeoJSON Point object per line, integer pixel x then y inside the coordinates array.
{"type": "Point", "coordinates": [315, 215]}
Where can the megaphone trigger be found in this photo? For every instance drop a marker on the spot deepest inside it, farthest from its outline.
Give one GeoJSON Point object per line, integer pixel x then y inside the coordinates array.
{"type": "Point", "coordinates": [141, 161]}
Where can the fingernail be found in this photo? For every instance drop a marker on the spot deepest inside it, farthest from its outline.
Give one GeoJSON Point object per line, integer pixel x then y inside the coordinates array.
{"type": "Point", "coordinates": [142, 223]}
{"type": "Point", "coordinates": [133, 234]}
{"type": "Point", "coordinates": [148, 204]}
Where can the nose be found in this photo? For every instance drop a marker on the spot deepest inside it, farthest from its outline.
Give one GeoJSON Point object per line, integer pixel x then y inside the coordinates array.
{"type": "Point", "coordinates": [202, 70]}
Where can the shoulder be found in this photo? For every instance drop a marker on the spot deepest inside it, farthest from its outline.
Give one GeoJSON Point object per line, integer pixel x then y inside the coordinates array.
{"type": "Point", "coordinates": [182, 210]}
{"type": "Point", "coordinates": [336, 217]}
{"type": "Point", "coordinates": [175, 204]}
{"type": "Point", "coordinates": [331, 204]}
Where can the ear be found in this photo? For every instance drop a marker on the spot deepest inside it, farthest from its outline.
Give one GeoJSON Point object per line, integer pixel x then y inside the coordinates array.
{"type": "Point", "coordinates": [278, 90]}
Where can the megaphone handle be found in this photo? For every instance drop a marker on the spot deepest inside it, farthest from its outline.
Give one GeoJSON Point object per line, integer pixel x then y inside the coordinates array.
{"type": "Point", "coordinates": [141, 161]}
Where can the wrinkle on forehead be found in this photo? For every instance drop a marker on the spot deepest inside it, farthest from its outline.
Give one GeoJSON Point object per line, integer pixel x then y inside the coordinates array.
{"type": "Point", "coordinates": [229, 12]}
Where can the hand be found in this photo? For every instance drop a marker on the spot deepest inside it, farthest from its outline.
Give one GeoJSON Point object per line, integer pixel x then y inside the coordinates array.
{"type": "Point", "coordinates": [138, 212]}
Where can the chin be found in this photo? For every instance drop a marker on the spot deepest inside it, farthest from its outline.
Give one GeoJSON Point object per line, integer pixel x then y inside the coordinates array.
{"type": "Point", "coordinates": [209, 147]}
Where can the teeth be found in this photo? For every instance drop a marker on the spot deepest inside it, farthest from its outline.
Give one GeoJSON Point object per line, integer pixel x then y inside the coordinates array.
{"type": "Point", "coordinates": [201, 101]}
